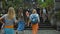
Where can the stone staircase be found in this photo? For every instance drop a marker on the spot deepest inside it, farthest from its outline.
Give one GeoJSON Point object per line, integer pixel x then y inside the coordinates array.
{"type": "Point", "coordinates": [42, 26]}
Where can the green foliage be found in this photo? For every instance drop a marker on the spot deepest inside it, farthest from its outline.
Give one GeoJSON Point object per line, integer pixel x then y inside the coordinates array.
{"type": "Point", "coordinates": [46, 3]}
{"type": "Point", "coordinates": [15, 3]}
{"type": "Point", "coordinates": [50, 2]}
{"type": "Point", "coordinates": [20, 3]}
{"type": "Point", "coordinates": [39, 2]}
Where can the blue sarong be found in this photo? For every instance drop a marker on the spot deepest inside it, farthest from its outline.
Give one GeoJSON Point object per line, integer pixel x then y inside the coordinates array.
{"type": "Point", "coordinates": [8, 31]}
{"type": "Point", "coordinates": [21, 26]}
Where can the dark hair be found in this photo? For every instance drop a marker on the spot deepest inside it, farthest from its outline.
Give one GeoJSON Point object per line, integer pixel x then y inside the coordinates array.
{"type": "Point", "coordinates": [20, 10]}
{"type": "Point", "coordinates": [27, 10]}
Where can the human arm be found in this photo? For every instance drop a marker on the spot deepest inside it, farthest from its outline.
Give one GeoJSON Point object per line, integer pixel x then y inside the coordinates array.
{"type": "Point", "coordinates": [2, 18]}
{"type": "Point", "coordinates": [38, 19]}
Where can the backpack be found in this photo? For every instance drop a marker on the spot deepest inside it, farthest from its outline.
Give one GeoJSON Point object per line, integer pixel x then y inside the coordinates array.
{"type": "Point", "coordinates": [34, 19]}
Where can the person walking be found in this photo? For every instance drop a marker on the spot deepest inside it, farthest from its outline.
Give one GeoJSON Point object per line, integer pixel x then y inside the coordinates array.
{"type": "Point", "coordinates": [21, 22]}
{"type": "Point", "coordinates": [34, 18]}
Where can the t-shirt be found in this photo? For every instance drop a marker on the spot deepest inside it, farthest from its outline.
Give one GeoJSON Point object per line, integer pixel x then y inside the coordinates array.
{"type": "Point", "coordinates": [44, 11]}
{"type": "Point", "coordinates": [7, 21]}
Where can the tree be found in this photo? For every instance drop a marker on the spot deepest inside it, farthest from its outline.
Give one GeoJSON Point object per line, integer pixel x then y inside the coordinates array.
{"type": "Point", "coordinates": [46, 3]}
{"type": "Point", "coordinates": [15, 3]}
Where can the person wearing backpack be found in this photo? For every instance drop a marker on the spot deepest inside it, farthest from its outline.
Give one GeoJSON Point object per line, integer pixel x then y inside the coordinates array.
{"type": "Point", "coordinates": [34, 19]}
{"type": "Point", "coordinates": [9, 20]}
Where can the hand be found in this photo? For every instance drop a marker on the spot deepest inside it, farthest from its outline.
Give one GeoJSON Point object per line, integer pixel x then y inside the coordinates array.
{"type": "Point", "coordinates": [2, 26]}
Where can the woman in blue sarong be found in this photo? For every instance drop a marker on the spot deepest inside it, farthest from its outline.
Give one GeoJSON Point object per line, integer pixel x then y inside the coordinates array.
{"type": "Point", "coordinates": [9, 20]}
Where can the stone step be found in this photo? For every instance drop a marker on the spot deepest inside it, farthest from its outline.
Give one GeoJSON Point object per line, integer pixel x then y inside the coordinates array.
{"type": "Point", "coordinates": [41, 29]}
